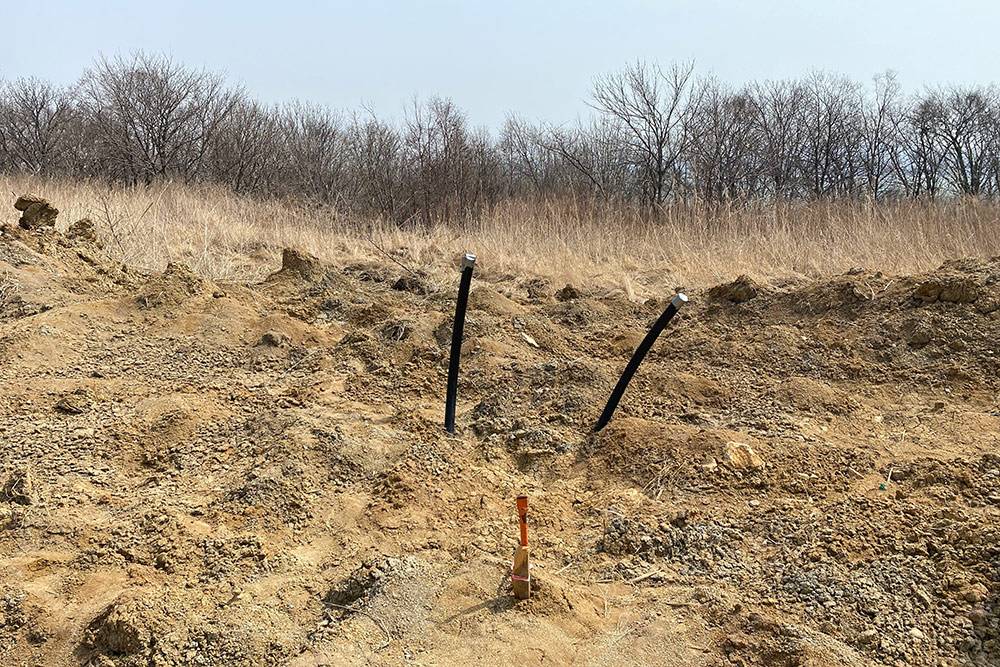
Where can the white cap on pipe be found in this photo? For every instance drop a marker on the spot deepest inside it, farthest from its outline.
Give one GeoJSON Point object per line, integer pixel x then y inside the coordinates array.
{"type": "Point", "coordinates": [468, 260]}
{"type": "Point", "coordinates": [679, 300]}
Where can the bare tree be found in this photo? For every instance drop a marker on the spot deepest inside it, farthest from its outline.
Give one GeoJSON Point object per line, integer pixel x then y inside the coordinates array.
{"type": "Point", "coordinates": [245, 152]}
{"type": "Point", "coordinates": [656, 138]}
{"type": "Point", "coordinates": [962, 120]}
{"type": "Point", "coordinates": [724, 145]}
{"type": "Point", "coordinates": [154, 117]}
{"type": "Point", "coordinates": [652, 105]}
{"type": "Point", "coordinates": [376, 150]}
{"type": "Point", "coordinates": [831, 136]}
{"type": "Point", "coordinates": [777, 112]}
{"type": "Point", "coordinates": [36, 126]}
{"type": "Point", "coordinates": [314, 144]}
{"type": "Point", "coordinates": [877, 135]}
{"type": "Point", "coordinates": [442, 155]}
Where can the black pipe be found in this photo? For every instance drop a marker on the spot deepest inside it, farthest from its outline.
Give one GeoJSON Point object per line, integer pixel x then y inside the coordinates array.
{"type": "Point", "coordinates": [468, 264]}
{"type": "Point", "coordinates": [637, 357]}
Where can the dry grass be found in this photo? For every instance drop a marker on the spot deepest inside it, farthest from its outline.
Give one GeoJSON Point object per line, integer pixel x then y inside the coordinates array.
{"type": "Point", "coordinates": [225, 236]}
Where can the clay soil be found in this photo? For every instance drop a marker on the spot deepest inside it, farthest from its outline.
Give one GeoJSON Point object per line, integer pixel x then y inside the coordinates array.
{"type": "Point", "coordinates": [203, 473]}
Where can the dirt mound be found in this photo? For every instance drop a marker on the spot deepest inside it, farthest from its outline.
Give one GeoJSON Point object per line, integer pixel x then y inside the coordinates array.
{"type": "Point", "coordinates": [802, 473]}
{"type": "Point", "coordinates": [40, 268]}
{"type": "Point", "coordinates": [740, 290]}
{"type": "Point", "coordinates": [171, 288]}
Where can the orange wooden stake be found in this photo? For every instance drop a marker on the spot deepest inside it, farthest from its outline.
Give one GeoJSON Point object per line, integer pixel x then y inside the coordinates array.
{"type": "Point", "coordinates": [520, 575]}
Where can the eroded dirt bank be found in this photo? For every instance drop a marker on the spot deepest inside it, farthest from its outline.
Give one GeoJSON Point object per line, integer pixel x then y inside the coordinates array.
{"type": "Point", "coordinates": [223, 474]}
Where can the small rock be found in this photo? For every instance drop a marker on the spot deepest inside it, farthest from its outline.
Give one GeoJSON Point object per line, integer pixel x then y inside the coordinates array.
{"type": "Point", "coordinates": [921, 334]}
{"type": "Point", "coordinates": [948, 290]}
{"type": "Point", "coordinates": [25, 201]}
{"type": "Point", "coordinates": [975, 593]}
{"type": "Point", "coordinates": [709, 464]}
{"type": "Point", "coordinates": [72, 404]}
{"type": "Point", "coordinates": [916, 633]}
{"type": "Point", "coordinates": [740, 456]}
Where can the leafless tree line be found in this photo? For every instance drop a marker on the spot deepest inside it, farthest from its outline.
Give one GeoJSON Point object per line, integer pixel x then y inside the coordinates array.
{"type": "Point", "coordinates": [655, 138]}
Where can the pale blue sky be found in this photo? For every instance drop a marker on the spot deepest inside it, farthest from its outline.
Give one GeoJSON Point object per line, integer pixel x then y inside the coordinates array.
{"type": "Point", "coordinates": [535, 58]}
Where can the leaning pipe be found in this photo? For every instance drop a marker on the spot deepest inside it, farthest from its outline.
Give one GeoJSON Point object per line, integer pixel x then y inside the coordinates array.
{"type": "Point", "coordinates": [468, 265]}
{"type": "Point", "coordinates": [637, 357]}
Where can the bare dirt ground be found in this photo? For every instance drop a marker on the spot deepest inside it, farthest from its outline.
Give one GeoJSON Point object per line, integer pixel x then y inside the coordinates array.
{"type": "Point", "coordinates": [200, 473]}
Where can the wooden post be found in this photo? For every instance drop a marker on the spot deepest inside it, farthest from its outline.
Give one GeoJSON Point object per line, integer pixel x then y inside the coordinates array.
{"type": "Point", "coordinates": [520, 574]}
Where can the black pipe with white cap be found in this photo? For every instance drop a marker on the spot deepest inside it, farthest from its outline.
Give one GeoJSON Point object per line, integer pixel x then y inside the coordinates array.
{"type": "Point", "coordinates": [468, 265]}
{"type": "Point", "coordinates": [640, 353]}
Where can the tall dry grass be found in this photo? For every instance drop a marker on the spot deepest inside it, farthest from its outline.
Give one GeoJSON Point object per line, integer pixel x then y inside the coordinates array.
{"type": "Point", "coordinates": [226, 236]}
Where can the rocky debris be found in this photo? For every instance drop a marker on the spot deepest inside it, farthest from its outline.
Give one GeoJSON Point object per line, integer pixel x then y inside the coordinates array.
{"type": "Point", "coordinates": [739, 291]}
{"type": "Point", "coordinates": [36, 212]}
{"type": "Point", "coordinates": [918, 332]}
{"type": "Point", "coordinates": [122, 629]}
{"type": "Point", "coordinates": [9, 298]}
{"type": "Point", "coordinates": [948, 290]}
{"type": "Point", "coordinates": [226, 559]}
{"type": "Point", "coordinates": [393, 592]}
{"type": "Point", "coordinates": [74, 403]}
{"type": "Point", "coordinates": [18, 488]}
{"type": "Point", "coordinates": [367, 580]}
{"type": "Point", "coordinates": [567, 293]}
{"type": "Point", "coordinates": [902, 598]}
{"type": "Point", "coordinates": [82, 231]}
{"type": "Point", "coordinates": [696, 545]}
{"type": "Point", "coordinates": [274, 493]}
{"type": "Point", "coordinates": [529, 443]}
{"type": "Point", "coordinates": [537, 288]}
{"type": "Point", "coordinates": [12, 613]}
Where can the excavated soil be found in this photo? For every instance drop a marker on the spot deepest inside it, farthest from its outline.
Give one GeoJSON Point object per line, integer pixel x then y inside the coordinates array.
{"type": "Point", "coordinates": [220, 474]}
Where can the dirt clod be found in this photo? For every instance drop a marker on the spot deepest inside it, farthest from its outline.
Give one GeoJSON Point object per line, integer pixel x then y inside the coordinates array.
{"type": "Point", "coordinates": [36, 212]}
{"type": "Point", "coordinates": [18, 488]}
{"type": "Point", "coordinates": [301, 263]}
{"type": "Point", "coordinates": [567, 293]}
{"type": "Point", "coordinates": [274, 339]}
{"type": "Point", "coordinates": [83, 230]}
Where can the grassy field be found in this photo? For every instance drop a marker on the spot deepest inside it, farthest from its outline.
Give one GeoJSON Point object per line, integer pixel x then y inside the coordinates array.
{"type": "Point", "coordinates": [222, 235]}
